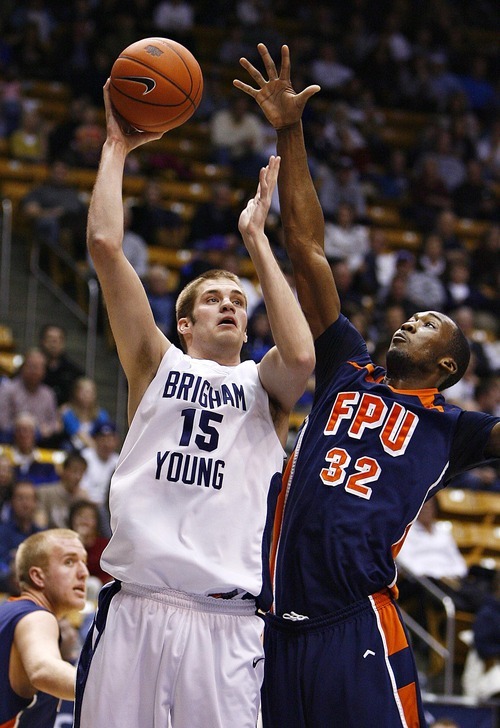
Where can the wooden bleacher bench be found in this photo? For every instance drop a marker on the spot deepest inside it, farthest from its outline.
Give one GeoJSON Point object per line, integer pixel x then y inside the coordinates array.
{"type": "Point", "coordinates": [10, 361]}
{"type": "Point", "coordinates": [43, 455]}
{"type": "Point", "coordinates": [384, 215]}
{"type": "Point", "coordinates": [7, 342]}
{"type": "Point", "coordinates": [398, 238]}
{"type": "Point", "coordinates": [459, 504]}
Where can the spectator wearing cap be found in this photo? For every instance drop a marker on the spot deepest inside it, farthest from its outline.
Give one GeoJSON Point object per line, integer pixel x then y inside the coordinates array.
{"type": "Point", "coordinates": [101, 462]}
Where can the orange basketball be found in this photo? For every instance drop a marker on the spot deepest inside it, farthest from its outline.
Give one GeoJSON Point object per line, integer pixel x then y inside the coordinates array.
{"type": "Point", "coordinates": [156, 84]}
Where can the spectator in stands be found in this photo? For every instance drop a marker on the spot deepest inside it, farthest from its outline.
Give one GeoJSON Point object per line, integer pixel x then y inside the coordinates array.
{"type": "Point", "coordinates": [237, 138]}
{"type": "Point", "coordinates": [62, 132]}
{"type": "Point", "coordinates": [55, 205]}
{"type": "Point", "coordinates": [7, 479]}
{"type": "Point", "coordinates": [260, 338]}
{"type": "Point", "coordinates": [465, 318]}
{"type": "Point", "coordinates": [326, 70]}
{"type": "Point", "coordinates": [481, 93]}
{"type": "Point", "coordinates": [463, 392]}
{"type": "Point", "coordinates": [61, 371]}
{"type": "Point", "coordinates": [175, 19]}
{"type": "Point", "coordinates": [460, 291]}
{"type": "Point", "coordinates": [379, 264]}
{"type": "Point", "coordinates": [26, 392]}
{"type": "Point", "coordinates": [343, 136]}
{"type": "Point", "coordinates": [351, 298]}
{"type": "Point", "coordinates": [161, 297]}
{"type": "Point", "coordinates": [432, 259]}
{"type": "Point", "coordinates": [28, 143]}
{"type": "Point", "coordinates": [442, 83]}
{"type": "Point", "coordinates": [18, 525]}
{"type": "Point", "coordinates": [152, 221]}
{"type": "Point", "coordinates": [215, 217]}
{"type": "Point", "coordinates": [481, 675]}
{"type": "Point", "coordinates": [428, 195]}
{"type": "Point", "coordinates": [88, 138]}
{"type": "Point", "coordinates": [475, 198]}
{"type": "Point", "coordinates": [396, 294]}
{"type": "Point", "coordinates": [235, 46]}
{"type": "Point", "coordinates": [341, 185]}
{"type": "Point", "coordinates": [81, 414]}
{"type": "Point", "coordinates": [446, 227]}
{"type": "Point", "coordinates": [431, 551]}
{"type": "Point", "coordinates": [485, 262]}
{"type": "Point", "coordinates": [488, 150]}
{"type": "Point", "coordinates": [394, 183]}
{"type": "Point", "coordinates": [27, 459]}
{"type": "Point", "coordinates": [10, 101]}
{"type": "Point", "coordinates": [345, 239]}
{"type": "Point", "coordinates": [101, 462]}
{"type": "Point", "coordinates": [450, 167]}
{"type": "Point", "coordinates": [488, 395]}
{"type": "Point", "coordinates": [424, 291]}
{"type": "Point", "coordinates": [55, 500]}
{"type": "Point", "coordinates": [85, 519]}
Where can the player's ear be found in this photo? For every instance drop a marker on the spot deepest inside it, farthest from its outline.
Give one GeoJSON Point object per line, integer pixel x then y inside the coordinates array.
{"type": "Point", "coordinates": [37, 576]}
{"type": "Point", "coordinates": [448, 366]}
{"type": "Point", "coordinates": [183, 325]}
{"type": "Point", "coordinates": [245, 337]}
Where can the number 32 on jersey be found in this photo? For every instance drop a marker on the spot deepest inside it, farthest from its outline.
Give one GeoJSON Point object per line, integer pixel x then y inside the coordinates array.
{"type": "Point", "coordinates": [361, 412]}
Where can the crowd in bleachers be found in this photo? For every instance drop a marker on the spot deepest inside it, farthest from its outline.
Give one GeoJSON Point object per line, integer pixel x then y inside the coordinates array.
{"type": "Point", "coordinates": [404, 144]}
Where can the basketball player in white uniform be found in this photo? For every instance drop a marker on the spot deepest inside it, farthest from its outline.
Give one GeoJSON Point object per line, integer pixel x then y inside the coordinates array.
{"type": "Point", "coordinates": [177, 634]}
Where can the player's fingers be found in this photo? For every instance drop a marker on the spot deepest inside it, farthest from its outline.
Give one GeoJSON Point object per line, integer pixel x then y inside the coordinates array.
{"type": "Point", "coordinates": [285, 63]}
{"type": "Point", "coordinates": [269, 64]}
{"type": "Point", "coordinates": [306, 94]}
{"type": "Point", "coordinates": [245, 87]}
{"type": "Point", "coordinates": [254, 72]}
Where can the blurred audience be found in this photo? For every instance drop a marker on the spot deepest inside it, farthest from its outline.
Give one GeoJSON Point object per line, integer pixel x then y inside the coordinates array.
{"type": "Point", "coordinates": [26, 392]}
{"type": "Point", "coordinates": [55, 500]}
{"type": "Point", "coordinates": [81, 414]}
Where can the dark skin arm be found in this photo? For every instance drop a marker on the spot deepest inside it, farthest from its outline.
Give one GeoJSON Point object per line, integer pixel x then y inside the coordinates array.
{"type": "Point", "coordinates": [301, 213]}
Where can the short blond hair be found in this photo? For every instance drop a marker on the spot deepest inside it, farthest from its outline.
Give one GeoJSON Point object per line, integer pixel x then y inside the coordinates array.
{"type": "Point", "coordinates": [36, 550]}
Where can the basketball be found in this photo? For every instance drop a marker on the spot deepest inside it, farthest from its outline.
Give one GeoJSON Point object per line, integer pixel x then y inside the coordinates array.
{"type": "Point", "coordinates": [156, 84]}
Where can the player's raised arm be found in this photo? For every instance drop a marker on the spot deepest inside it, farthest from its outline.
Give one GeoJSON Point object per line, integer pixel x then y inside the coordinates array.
{"type": "Point", "coordinates": [139, 342]}
{"type": "Point", "coordinates": [301, 212]}
{"type": "Point", "coordinates": [285, 369]}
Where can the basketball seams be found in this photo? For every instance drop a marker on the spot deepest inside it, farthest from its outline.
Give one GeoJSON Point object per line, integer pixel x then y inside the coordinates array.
{"type": "Point", "coordinates": [161, 75]}
{"type": "Point", "coordinates": [156, 104]}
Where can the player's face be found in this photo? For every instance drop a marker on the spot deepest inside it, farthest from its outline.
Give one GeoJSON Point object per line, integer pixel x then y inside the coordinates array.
{"type": "Point", "coordinates": [420, 341]}
{"type": "Point", "coordinates": [219, 316]}
{"type": "Point", "coordinates": [66, 575]}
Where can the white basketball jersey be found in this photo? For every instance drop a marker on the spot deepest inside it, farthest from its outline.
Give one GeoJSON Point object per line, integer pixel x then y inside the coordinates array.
{"type": "Point", "coordinates": [188, 498]}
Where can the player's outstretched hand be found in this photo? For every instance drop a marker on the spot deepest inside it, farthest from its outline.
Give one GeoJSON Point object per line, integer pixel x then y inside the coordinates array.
{"type": "Point", "coordinates": [276, 96]}
{"type": "Point", "coordinates": [118, 130]}
{"type": "Point", "coordinates": [253, 217]}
